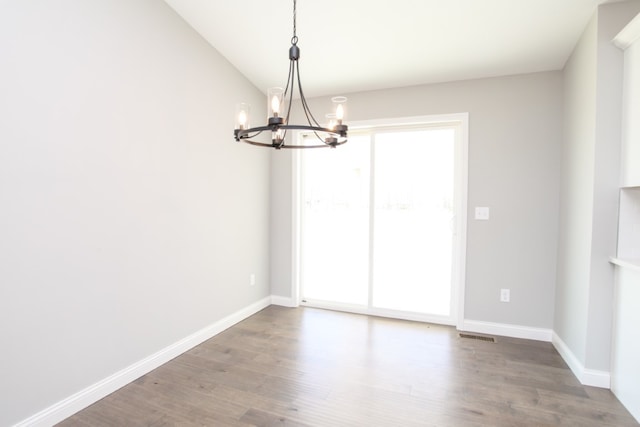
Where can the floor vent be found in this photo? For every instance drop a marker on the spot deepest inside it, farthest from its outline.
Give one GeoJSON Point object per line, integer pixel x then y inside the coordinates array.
{"type": "Point", "coordinates": [477, 337]}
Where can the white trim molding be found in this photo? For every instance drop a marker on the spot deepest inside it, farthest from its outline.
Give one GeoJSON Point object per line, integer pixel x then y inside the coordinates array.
{"type": "Point", "coordinates": [80, 400]}
{"type": "Point", "coordinates": [506, 330]}
{"type": "Point", "coordinates": [629, 34]}
{"type": "Point", "coordinates": [283, 301]}
{"type": "Point", "coordinates": [457, 121]}
{"type": "Point", "coordinates": [462, 179]}
{"type": "Point", "coordinates": [380, 312]}
{"type": "Point", "coordinates": [590, 377]}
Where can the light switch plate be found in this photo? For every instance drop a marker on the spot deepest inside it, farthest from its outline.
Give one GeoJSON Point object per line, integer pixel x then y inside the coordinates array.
{"type": "Point", "coordinates": [482, 213]}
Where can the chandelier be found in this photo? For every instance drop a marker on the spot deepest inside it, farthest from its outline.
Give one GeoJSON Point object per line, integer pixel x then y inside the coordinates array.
{"type": "Point", "coordinates": [279, 100]}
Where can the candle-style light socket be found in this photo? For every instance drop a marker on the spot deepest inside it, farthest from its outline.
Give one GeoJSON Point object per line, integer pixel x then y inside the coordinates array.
{"type": "Point", "coordinates": [341, 129]}
{"type": "Point", "coordinates": [331, 141]}
{"type": "Point", "coordinates": [275, 121]}
{"type": "Point", "coordinates": [275, 102]}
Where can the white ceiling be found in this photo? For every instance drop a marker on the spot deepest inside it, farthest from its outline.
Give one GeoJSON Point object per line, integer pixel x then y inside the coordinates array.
{"type": "Point", "coordinates": [356, 45]}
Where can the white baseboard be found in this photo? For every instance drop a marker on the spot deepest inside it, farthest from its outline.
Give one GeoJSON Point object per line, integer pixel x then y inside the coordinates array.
{"type": "Point", "coordinates": [283, 301]}
{"type": "Point", "coordinates": [74, 403]}
{"type": "Point", "coordinates": [506, 330]}
{"type": "Point", "coordinates": [590, 377]}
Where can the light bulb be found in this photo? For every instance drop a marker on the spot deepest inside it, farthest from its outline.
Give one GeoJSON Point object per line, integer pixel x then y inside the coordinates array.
{"type": "Point", "coordinates": [277, 136]}
{"type": "Point", "coordinates": [275, 106]}
{"type": "Point", "coordinates": [339, 113]}
{"type": "Point", "coordinates": [243, 110]}
{"type": "Point", "coordinates": [339, 107]}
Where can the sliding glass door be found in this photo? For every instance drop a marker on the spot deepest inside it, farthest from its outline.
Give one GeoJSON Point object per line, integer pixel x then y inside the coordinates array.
{"type": "Point", "coordinates": [377, 222]}
{"type": "Point", "coordinates": [334, 256]}
{"type": "Point", "coordinates": [413, 214]}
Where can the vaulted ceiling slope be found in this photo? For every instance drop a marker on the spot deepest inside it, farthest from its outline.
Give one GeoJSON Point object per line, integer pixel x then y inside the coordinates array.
{"type": "Point", "coordinates": [357, 45]}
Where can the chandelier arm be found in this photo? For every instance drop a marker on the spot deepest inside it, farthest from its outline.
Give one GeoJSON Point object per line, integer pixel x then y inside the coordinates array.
{"type": "Point", "coordinates": [289, 79]}
{"type": "Point", "coordinates": [305, 107]}
{"type": "Point", "coordinates": [286, 88]}
{"type": "Point", "coordinates": [310, 118]}
{"type": "Point", "coordinates": [319, 137]}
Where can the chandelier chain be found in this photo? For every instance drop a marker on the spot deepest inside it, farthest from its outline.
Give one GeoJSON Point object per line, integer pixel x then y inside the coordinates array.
{"type": "Point", "coordinates": [294, 39]}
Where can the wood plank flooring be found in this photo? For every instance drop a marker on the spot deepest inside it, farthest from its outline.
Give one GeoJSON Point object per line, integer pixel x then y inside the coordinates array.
{"type": "Point", "coordinates": [312, 367]}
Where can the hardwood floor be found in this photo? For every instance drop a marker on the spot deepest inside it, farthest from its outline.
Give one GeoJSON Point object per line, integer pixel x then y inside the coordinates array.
{"type": "Point", "coordinates": [311, 367]}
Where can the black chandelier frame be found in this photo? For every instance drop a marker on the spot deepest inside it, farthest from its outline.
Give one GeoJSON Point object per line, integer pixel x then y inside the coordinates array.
{"type": "Point", "coordinates": [279, 127]}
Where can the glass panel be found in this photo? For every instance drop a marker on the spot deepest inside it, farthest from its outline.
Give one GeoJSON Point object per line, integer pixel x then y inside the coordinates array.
{"type": "Point", "coordinates": [335, 223]}
{"type": "Point", "coordinates": [413, 220]}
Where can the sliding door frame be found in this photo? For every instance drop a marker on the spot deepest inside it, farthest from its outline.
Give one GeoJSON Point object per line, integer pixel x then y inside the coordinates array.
{"type": "Point", "coordinates": [461, 122]}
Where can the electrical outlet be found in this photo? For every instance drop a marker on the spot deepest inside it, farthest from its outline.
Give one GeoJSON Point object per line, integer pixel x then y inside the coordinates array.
{"type": "Point", "coordinates": [505, 295]}
{"type": "Point", "coordinates": [252, 279]}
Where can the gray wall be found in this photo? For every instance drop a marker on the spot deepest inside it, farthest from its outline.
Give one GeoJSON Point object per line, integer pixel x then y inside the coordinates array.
{"type": "Point", "coordinates": [576, 213]}
{"type": "Point", "coordinates": [515, 126]}
{"type": "Point", "coordinates": [129, 218]}
{"type": "Point", "coordinates": [589, 195]}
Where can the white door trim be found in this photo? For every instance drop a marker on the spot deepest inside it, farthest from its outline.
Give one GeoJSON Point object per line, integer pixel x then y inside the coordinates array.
{"type": "Point", "coordinates": [461, 183]}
